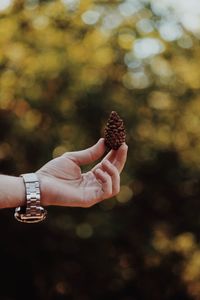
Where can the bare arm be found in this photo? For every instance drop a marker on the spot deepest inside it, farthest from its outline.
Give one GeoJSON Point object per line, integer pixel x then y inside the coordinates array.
{"type": "Point", "coordinates": [12, 191]}
{"type": "Point", "coordinates": [62, 182]}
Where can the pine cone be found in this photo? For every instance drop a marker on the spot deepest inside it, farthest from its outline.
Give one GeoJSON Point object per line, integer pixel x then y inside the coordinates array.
{"type": "Point", "coordinates": [114, 132]}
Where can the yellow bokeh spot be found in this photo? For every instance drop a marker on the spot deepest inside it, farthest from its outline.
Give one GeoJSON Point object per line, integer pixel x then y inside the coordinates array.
{"type": "Point", "coordinates": [161, 241]}
{"type": "Point", "coordinates": [145, 130]}
{"type": "Point", "coordinates": [188, 70]}
{"type": "Point", "coordinates": [180, 139]}
{"type": "Point", "coordinates": [125, 194]}
{"type": "Point", "coordinates": [84, 230]}
{"type": "Point", "coordinates": [163, 135]}
{"type": "Point", "coordinates": [31, 119]}
{"type": "Point", "coordinates": [103, 56]}
{"type": "Point", "coordinates": [160, 100]}
{"type": "Point", "coordinates": [59, 150]}
{"type": "Point", "coordinates": [16, 53]}
{"type": "Point", "coordinates": [184, 243]}
{"type": "Point", "coordinates": [94, 39]}
{"type": "Point", "coordinates": [192, 269]}
{"type": "Point", "coordinates": [125, 40]}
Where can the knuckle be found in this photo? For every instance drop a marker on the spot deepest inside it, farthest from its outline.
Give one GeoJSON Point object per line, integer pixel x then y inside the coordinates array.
{"type": "Point", "coordinates": [106, 178]}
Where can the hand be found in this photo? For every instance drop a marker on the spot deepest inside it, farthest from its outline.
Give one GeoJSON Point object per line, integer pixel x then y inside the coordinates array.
{"type": "Point", "coordinates": [62, 182]}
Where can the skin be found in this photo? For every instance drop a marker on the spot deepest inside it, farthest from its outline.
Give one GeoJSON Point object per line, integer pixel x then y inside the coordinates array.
{"type": "Point", "coordinates": [63, 184]}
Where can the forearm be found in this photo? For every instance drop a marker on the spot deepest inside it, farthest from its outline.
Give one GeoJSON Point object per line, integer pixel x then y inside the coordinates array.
{"type": "Point", "coordinates": [12, 191]}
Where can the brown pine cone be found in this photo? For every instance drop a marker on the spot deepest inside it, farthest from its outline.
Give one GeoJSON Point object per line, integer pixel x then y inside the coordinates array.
{"type": "Point", "coordinates": [114, 131]}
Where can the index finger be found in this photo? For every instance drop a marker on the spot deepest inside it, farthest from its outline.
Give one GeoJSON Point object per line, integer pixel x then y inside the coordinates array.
{"type": "Point", "coordinates": [88, 155]}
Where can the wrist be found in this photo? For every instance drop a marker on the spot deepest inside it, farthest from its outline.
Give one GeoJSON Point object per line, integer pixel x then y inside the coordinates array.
{"type": "Point", "coordinates": [44, 189]}
{"type": "Point", "coordinates": [32, 211]}
{"type": "Point", "coordinates": [52, 191]}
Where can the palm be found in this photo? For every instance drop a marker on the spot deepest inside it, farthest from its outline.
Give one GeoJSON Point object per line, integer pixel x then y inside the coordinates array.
{"type": "Point", "coordinates": [68, 174]}
{"type": "Point", "coordinates": [64, 184]}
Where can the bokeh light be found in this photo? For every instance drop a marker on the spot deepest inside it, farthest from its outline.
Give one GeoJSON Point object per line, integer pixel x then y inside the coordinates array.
{"type": "Point", "coordinates": [65, 64]}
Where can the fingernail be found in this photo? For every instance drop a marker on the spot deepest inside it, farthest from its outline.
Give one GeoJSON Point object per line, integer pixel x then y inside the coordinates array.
{"type": "Point", "coordinates": [125, 145]}
{"type": "Point", "coordinates": [101, 139]}
{"type": "Point", "coordinates": [96, 171]}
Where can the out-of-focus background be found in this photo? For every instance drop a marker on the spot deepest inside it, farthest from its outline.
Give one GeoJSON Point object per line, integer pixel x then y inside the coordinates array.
{"type": "Point", "coordinates": [64, 65]}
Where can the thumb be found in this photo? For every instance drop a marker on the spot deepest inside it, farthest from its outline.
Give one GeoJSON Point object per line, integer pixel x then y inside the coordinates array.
{"type": "Point", "coordinates": [88, 155]}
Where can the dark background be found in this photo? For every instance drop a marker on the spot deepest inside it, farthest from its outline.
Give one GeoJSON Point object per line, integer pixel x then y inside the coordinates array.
{"type": "Point", "coordinates": [64, 65]}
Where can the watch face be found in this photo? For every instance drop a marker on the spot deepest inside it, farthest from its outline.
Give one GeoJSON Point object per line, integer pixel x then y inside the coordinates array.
{"type": "Point", "coordinates": [22, 216]}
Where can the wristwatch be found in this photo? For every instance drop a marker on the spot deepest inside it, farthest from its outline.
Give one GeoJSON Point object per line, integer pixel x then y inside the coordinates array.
{"type": "Point", "coordinates": [33, 212]}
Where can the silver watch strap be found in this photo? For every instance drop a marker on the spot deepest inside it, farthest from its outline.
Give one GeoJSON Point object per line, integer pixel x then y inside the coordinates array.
{"type": "Point", "coordinates": [32, 194]}
{"type": "Point", "coordinates": [32, 212]}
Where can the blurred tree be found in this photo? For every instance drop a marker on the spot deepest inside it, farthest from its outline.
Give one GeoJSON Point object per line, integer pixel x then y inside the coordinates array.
{"type": "Point", "coordinates": [64, 66]}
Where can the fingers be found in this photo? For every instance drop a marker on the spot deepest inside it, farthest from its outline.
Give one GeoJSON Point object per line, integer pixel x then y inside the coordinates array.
{"type": "Point", "coordinates": [109, 178]}
{"type": "Point", "coordinates": [88, 155]}
{"type": "Point", "coordinates": [106, 182]}
{"type": "Point", "coordinates": [119, 159]}
{"type": "Point", "coordinates": [114, 174]}
{"type": "Point", "coordinates": [116, 157]}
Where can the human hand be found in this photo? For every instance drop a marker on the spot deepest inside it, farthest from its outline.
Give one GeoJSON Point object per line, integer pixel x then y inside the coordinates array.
{"type": "Point", "coordinates": [63, 184]}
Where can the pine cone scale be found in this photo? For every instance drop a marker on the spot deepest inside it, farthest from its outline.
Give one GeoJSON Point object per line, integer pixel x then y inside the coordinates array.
{"type": "Point", "coordinates": [114, 132]}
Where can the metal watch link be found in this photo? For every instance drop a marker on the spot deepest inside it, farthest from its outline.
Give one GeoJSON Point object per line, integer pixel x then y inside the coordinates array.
{"type": "Point", "coordinates": [33, 212]}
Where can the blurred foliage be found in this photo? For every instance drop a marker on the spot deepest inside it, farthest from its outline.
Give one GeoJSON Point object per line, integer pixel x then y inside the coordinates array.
{"type": "Point", "coordinates": [64, 66]}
